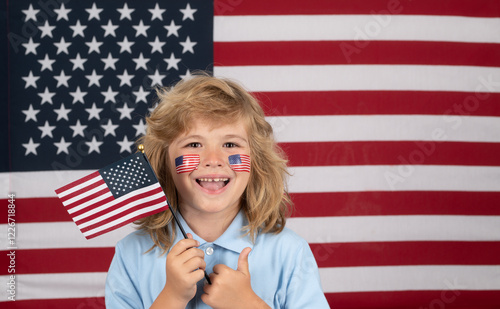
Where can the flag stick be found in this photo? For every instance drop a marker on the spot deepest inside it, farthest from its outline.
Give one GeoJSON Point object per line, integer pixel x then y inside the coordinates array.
{"type": "Point", "coordinates": [141, 149]}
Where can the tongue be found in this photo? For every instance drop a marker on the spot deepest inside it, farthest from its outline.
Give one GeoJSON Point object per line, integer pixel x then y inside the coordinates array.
{"type": "Point", "coordinates": [212, 185]}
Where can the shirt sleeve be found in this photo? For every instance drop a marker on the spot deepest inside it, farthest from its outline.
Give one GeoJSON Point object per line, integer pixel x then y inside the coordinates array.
{"type": "Point", "coordinates": [121, 289]}
{"type": "Point", "coordinates": [304, 286]}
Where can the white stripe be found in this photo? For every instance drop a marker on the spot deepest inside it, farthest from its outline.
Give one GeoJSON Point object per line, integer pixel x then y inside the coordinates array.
{"type": "Point", "coordinates": [121, 199]}
{"type": "Point", "coordinates": [38, 184]}
{"type": "Point", "coordinates": [85, 194]}
{"type": "Point", "coordinates": [364, 77]}
{"type": "Point", "coordinates": [91, 202]}
{"type": "Point", "coordinates": [124, 218]}
{"type": "Point", "coordinates": [440, 128]}
{"type": "Point", "coordinates": [80, 186]}
{"type": "Point", "coordinates": [396, 228]}
{"type": "Point", "coordinates": [334, 280]}
{"type": "Point", "coordinates": [356, 178]}
{"type": "Point", "coordinates": [411, 278]}
{"type": "Point", "coordinates": [326, 229]}
{"type": "Point", "coordinates": [356, 28]}
{"type": "Point", "coordinates": [65, 285]}
{"type": "Point", "coordinates": [53, 235]}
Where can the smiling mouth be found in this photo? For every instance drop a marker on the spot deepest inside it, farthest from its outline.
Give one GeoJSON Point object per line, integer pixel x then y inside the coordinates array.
{"type": "Point", "coordinates": [212, 184]}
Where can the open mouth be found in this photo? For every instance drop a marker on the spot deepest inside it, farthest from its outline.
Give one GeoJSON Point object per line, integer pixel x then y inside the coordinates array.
{"type": "Point", "coordinates": [212, 184]}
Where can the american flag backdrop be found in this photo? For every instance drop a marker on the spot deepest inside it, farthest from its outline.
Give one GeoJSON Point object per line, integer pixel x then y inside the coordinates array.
{"type": "Point", "coordinates": [388, 110]}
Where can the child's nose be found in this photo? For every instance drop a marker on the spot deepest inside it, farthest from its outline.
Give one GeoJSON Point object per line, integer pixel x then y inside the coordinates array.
{"type": "Point", "coordinates": [212, 158]}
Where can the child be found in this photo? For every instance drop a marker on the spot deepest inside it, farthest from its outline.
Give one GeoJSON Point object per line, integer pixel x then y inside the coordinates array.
{"type": "Point", "coordinates": [234, 211]}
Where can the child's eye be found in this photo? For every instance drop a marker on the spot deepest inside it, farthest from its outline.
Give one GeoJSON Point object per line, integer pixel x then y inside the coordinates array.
{"type": "Point", "coordinates": [230, 145]}
{"type": "Point", "coordinates": [194, 145]}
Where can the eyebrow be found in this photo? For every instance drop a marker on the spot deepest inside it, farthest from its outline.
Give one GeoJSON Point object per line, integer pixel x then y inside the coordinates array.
{"type": "Point", "coordinates": [236, 136]}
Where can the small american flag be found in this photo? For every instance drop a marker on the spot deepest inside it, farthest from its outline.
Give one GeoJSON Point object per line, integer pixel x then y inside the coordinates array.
{"type": "Point", "coordinates": [186, 163]}
{"type": "Point", "coordinates": [240, 162]}
{"type": "Point", "coordinates": [114, 196]}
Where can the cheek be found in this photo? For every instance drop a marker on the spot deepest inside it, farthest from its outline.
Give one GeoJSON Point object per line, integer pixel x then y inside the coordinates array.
{"type": "Point", "coordinates": [186, 163]}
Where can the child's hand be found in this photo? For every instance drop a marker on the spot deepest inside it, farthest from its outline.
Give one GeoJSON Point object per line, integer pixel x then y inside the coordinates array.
{"type": "Point", "coordinates": [231, 288]}
{"type": "Point", "coordinates": [185, 267]}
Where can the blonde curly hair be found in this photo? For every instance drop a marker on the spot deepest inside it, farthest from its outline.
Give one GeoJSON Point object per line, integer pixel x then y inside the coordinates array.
{"type": "Point", "coordinates": [266, 202]}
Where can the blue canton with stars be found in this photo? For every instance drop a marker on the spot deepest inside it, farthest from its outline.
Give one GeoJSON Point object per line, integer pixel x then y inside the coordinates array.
{"type": "Point", "coordinates": [80, 75]}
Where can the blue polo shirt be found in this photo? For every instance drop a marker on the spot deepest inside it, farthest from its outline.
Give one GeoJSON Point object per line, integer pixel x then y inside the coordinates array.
{"type": "Point", "coordinates": [282, 268]}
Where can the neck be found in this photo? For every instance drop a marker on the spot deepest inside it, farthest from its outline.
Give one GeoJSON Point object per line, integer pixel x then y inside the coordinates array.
{"type": "Point", "coordinates": [208, 226]}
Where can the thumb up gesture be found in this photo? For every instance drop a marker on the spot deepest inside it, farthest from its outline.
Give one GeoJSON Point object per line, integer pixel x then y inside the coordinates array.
{"type": "Point", "coordinates": [231, 288]}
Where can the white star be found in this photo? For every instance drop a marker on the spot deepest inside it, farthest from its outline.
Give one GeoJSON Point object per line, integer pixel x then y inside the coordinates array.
{"type": "Point", "coordinates": [62, 113]}
{"type": "Point", "coordinates": [187, 46]}
{"type": "Point", "coordinates": [62, 46]}
{"type": "Point", "coordinates": [125, 12]}
{"type": "Point", "coordinates": [172, 29]}
{"type": "Point", "coordinates": [140, 95]}
{"type": "Point", "coordinates": [94, 79]}
{"type": "Point", "coordinates": [188, 12]}
{"type": "Point", "coordinates": [172, 62]}
{"type": "Point", "coordinates": [78, 129]}
{"type": "Point", "coordinates": [62, 146]}
{"type": "Point", "coordinates": [94, 112]}
{"type": "Point", "coordinates": [78, 29]}
{"type": "Point", "coordinates": [156, 12]}
{"type": "Point", "coordinates": [62, 79]}
{"type": "Point", "coordinates": [187, 75]}
{"type": "Point", "coordinates": [109, 62]}
{"type": "Point", "coordinates": [140, 128]}
{"type": "Point", "coordinates": [30, 13]}
{"type": "Point", "coordinates": [46, 29]}
{"type": "Point", "coordinates": [125, 112]}
{"type": "Point", "coordinates": [152, 108]}
{"type": "Point", "coordinates": [46, 130]}
{"type": "Point", "coordinates": [78, 62]}
{"type": "Point", "coordinates": [30, 46]}
{"type": "Point", "coordinates": [125, 78]}
{"type": "Point", "coordinates": [109, 129]}
{"type": "Point", "coordinates": [141, 29]}
{"type": "Point", "coordinates": [156, 45]}
{"type": "Point", "coordinates": [109, 95]}
{"type": "Point", "coordinates": [125, 45]}
{"type": "Point", "coordinates": [125, 145]}
{"type": "Point", "coordinates": [31, 80]}
{"type": "Point", "coordinates": [109, 29]}
{"type": "Point", "coordinates": [94, 45]}
{"type": "Point", "coordinates": [78, 95]}
{"type": "Point", "coordinates": [94, 12]}
{"type": "Point", "coordinates": [94, 145]}
{"type": "Point", "coordinates": [62, 13]}
{"type": "Point", "coordinates": [30, 113]}
{"type": "Point", "coordinates": [156, 78]}
{"type": "Point", "coordinates": [46, 63]}
{"type": "Point", "coordinates": [140, 62]}
{"type": "Point", "coordinates": [47, 96]}
{"type": "Point", "coordinates": [31, 147]}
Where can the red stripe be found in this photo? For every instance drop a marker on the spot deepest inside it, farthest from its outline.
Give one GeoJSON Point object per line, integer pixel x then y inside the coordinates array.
{"type": "Point", "coordinates": [83, 191]}
{"type": "Point", "coordinates": [480, 8]}
{"type": "Point", "coordinates": [127, 222]}
{"type": "Point", "coordinates": [450, 298]}
{"type": "Point", "coordinates": [406, 253]}
{"type": "Point", "coordinates": [391, 153]}
{"type": "Point", "coordinates": [356, 52]}
{"type": "Point", "coordinates": [77, 182]}
{"type": "Point", "coordinates": [77, 303]}
{"type": "Point", "coordinates": [29, 210]}
{"type": "Point", "coordinates": [90, 198]}
{"type": "Point", "coordinates": [379, 102]}
{"type": "Point", "coordinates": [369, 203]}
{"type": "Point", "coordinates": [67, 260]}
{"type": "Point", "coordinates": [120, 204]}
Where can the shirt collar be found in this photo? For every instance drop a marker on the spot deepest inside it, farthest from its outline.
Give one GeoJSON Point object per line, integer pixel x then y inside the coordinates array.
{"type": "Point", "coordinates": [233, 238]}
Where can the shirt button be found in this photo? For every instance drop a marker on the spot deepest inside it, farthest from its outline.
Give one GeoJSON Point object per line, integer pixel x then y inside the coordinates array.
{"type": "Point", "coordinates": [209, 251]}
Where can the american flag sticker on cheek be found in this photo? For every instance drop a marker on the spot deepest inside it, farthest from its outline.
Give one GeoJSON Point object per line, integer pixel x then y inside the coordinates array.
{"type": "Point", "coordinates": [240, 162]}
{"type": "Point", "coordinates": [187, 163]}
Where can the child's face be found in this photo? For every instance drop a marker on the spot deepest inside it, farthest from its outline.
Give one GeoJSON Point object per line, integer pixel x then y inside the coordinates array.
{"type": "Point", "coordinates": [213, 187]}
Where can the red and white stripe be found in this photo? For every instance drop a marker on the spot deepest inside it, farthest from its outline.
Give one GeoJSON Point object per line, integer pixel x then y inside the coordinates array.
{"type": "Point", "coordinates": [190, 162]}
{"type": "Point", "coordinates": [244, 166]}
{"type": "Point", "coordinates": [95, 211]}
